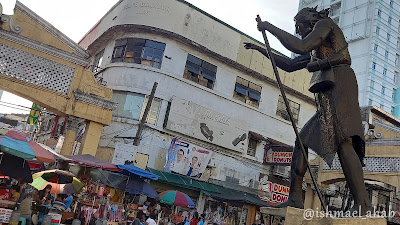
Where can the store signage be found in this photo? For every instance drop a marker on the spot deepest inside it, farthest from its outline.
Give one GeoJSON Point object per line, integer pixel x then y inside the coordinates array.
{"type": "Point", "coordinates": [124, 152]}
{"type": "Point", "coordinates": [187, 159]}
{"type": "Point", "coordinates": [4, 194]}
{"type": "Point", "coordinates": [279, 198]}
{"type": "Point", "coordinates": [273, 193]}
{"type": "Point", "coordinates": [278, 155]}
{"type": "Point", "coordinates": [202, 123]}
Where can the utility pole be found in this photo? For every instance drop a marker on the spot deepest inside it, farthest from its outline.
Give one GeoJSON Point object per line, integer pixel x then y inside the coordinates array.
{"type": "Point", "coordinates": [144, 117]}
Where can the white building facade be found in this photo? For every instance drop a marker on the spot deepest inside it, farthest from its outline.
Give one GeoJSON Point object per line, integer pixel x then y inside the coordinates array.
{"type": "Point", "coordinates": [371, 28]}
{"type": "Point", "coordinates": [211, 91]}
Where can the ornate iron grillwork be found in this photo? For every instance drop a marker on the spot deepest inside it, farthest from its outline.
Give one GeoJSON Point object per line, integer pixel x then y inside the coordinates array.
{"type": "Point", "coordinates": [34, 69]}
{"type": "Point", "coordinates": [372, 164]}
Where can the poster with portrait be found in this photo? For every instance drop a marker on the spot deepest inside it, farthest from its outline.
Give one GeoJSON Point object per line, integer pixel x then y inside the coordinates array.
{"type": "Point", "coordinates": [187, 159]}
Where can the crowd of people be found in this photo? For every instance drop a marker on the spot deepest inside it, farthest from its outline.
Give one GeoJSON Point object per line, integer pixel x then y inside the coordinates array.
{"type": "Point", "coordinates": [29, 201]}
{"type": "Point", "coordinates": [154, 213]}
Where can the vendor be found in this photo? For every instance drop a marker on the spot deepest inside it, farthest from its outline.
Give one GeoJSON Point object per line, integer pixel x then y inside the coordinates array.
{"type": "Point", "coordinates": [15, 189]}
{"type": "Point", "coordinates": [44, 196]}
{"type": "Point", "coordinates": [59, 203]}
{"type": "Point", "coordinates": [177, 218]}
{"type": "Point", "coordinates": [68, 201]}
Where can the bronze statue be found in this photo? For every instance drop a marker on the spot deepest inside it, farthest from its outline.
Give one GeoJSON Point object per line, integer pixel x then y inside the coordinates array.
{"type": "Point", "coordinates": [336, 126]}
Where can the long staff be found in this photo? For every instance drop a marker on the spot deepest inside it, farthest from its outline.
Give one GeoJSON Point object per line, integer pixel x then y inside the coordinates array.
{"type": "Point", "coordinates": [278, 80]}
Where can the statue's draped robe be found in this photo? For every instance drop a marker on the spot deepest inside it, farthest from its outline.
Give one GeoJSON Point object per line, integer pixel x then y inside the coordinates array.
{"type": "Point", "coordinates": [338, 113]}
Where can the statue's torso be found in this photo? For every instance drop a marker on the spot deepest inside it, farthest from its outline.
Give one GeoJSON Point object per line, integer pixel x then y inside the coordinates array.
{"type": "Point", "coordinates": [333, 44]}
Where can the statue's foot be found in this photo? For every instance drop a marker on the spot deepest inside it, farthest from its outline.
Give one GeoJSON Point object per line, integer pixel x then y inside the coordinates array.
{"type": "Point", "coordinates": [361, 209]}
{"type": "Point", "coordinates": [292, 203]}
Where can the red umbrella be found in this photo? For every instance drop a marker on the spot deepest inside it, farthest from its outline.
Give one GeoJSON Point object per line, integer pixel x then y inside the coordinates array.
{"type": "Point", "coordinates": [19, 144]}
{"type": "Point", "coordinates": [176, 198]}
{"type": "Point", "coordinates": [91, 161]}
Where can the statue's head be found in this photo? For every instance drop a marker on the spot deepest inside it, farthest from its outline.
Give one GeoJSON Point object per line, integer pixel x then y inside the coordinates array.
{"type": "Point", "coordinates": [306, 19]}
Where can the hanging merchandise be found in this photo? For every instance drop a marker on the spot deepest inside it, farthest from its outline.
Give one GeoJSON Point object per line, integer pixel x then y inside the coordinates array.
{"type": "Point", "coordinates": [101, 191]}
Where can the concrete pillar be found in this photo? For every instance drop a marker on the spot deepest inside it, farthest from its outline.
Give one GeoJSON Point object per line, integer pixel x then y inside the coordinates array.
{"type": "Point", "coordinates": [91, 138]}
{"type": "Point", "coordinates": [317, 203]}
{"type": "Point", "coordinates": [309, 199]}
{"type": "Point", "coordinates": [68, 144]}
{"type": "Point", "coordinates": [72, 129]}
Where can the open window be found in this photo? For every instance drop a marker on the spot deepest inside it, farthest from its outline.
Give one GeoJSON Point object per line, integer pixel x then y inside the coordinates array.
{"type": "Point", "coordinates": [200, 71]}
{"type": "Point", "coordinates": [247, 92]}
{"type": "Point", "coordinates": [294, 108]}
{"type": "Point", "coordinates": [139, 51]}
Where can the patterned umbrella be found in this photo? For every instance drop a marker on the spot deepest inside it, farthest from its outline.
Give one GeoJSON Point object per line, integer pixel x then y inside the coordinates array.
{"type": "Point", "coordinates": [62, 182]}
{"type": "Point", "coordinates": [19, 144]}
{"type": "Point", "coordinates": [176, 198]}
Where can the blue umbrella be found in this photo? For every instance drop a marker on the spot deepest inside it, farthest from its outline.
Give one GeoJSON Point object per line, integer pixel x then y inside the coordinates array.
{"type": "Point", "coordinates": [134, 171]}
{"type": "Point", "coordinates": [138, 186]}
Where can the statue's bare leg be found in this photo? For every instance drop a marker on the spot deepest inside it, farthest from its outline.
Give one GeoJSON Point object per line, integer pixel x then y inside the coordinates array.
{"type": "Point", "coordinates": [353, 173]}
{"type": "Point", "coordinates": [298, 169]}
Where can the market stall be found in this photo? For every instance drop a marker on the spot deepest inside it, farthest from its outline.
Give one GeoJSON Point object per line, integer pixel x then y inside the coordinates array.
{"type": "Point", "coordinates": [61, 183]}
{"type": "Point", "coordinates": [102, 197]}
{"type": "Point", "coordinates": [18, 154]}
{"type": "Point", "coordinates": [233, 207]}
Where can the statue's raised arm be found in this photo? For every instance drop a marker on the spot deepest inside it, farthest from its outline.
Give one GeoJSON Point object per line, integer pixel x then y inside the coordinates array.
{"type": "Point", "coordinates": [283, 62]}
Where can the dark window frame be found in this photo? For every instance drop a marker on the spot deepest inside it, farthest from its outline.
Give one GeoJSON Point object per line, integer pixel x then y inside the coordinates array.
{"type": "Point", "coordinates": [281, 109]}
{"type": "Point", "coordinates": [246, 91]}
{"type": "Point", "coordinates": [252, 146]}
{"type": "Point", "coordinates": [200, 71]}
{"type": "Point", "coordinates": [139, 51]}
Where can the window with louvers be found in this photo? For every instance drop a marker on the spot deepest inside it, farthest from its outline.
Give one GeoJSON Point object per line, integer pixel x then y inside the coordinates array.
{"type": "Point", "coordinates": [251, 149]}
{"type": "Point", "coordinates": [139, 51]}
{"type": "Point", "coordinates": [294, 108]}
{"type": "Point", "coordinates": [200, 71]}
{"type": "Point", "coordinates": [247, 92]}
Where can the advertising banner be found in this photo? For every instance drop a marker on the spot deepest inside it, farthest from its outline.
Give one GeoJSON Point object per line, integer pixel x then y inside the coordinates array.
{"type": "Point", "coordinates": [207, 125]}
{"type": "Point", "coordinates": [274, 193]}
{"type": "Point", "coordinates": [278, 155]}
{"type": "Point", "coordinates": [187, 159]}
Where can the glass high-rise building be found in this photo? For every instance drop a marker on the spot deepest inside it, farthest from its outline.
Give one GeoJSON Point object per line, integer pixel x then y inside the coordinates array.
{"type": "Point", "coordinates": [372, 29]}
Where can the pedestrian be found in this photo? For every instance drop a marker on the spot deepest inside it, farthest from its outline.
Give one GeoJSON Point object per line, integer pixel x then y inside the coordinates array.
{"type": "Point", "coordinates": [201, 220]}
{"type": "Point", "coordinates": [195, 219]}
{"type": "Point", "coordinates": [151, 220]}
{"type": "Point", "coordinates": [44, 196]}
{"type": "Point", "coordinates": [15, 189]}
{"type": "Point", "coordinates": [68, 201]}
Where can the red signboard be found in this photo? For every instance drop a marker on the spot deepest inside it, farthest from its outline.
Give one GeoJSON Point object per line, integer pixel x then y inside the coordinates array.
{"type": "Point", "coordinates": [278, 155]}
{"type": "Point", "coordinates": [274, 193]}
{"type": "Point", "coordinates": [279, 198]}
{"type": "Point", "coordinates": [4, 194]}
